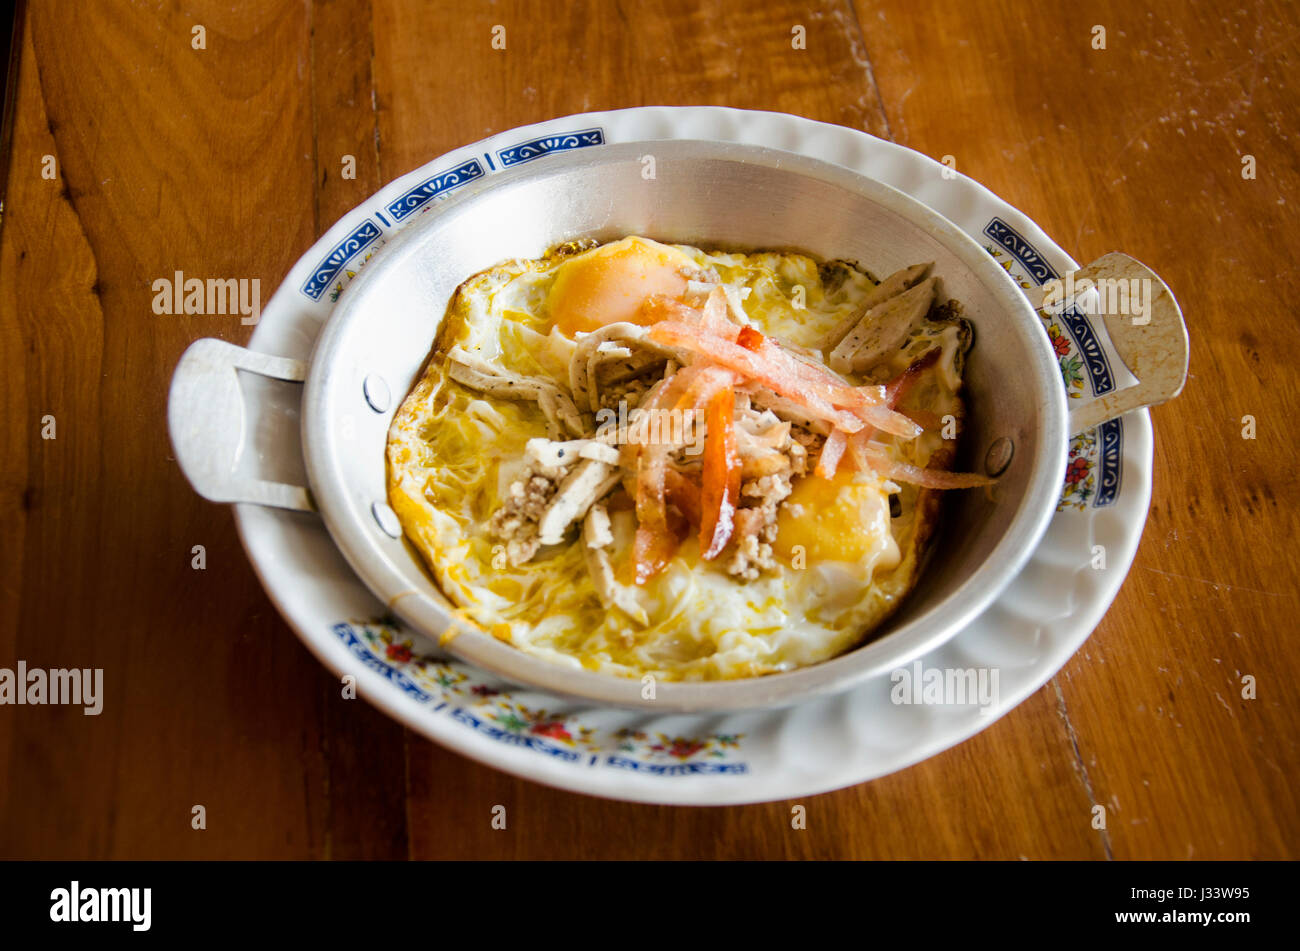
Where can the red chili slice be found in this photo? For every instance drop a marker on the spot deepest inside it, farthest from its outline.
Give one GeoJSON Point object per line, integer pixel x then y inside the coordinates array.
{"type": "Point", "coordinates": [750, 339]}
{"type": "Point", "coordinates": [720, 489]}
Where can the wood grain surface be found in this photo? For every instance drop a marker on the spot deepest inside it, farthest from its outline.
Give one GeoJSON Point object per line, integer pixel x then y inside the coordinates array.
{"type": "Point", "coordinates": [226, 161]}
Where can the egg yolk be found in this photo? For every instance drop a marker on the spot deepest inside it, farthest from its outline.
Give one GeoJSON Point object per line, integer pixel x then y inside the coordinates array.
{"type": "Point", "coordinates": [610, 283]}
{"type": "Point", "coordinates": [836, 520]}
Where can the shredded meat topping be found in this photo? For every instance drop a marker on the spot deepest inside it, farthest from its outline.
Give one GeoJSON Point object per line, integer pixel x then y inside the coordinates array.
{"type": "Point", "coordinates": [776, 437]}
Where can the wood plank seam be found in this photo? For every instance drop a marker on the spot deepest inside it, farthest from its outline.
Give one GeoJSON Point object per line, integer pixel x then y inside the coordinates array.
{"type": "Point", "coordinates": [1080, 769]}
{"type": "Point", "coordinates": [860, 53]}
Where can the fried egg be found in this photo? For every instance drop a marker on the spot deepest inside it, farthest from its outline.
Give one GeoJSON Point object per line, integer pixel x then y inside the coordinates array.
{"type": "Point", "coordinates": [846, 549]}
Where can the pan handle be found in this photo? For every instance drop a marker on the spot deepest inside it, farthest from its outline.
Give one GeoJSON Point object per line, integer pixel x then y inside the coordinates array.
{"type": "Point", "coordinates": [1151, 339]}
{"type": "Point", "coordinates": [205, 416]}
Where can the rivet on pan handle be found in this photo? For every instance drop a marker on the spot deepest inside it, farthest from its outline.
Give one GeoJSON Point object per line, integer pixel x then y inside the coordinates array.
{"type": "Point", "coordinates": [205, 415]}
{"type": "Point", "coordinates": [1153, 346]}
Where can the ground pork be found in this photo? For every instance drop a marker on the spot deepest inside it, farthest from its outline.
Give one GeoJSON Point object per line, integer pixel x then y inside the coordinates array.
{"type": "Point", "coordinates": [755, 529]}
{"type": "Point", "coordinates": [515, 522]}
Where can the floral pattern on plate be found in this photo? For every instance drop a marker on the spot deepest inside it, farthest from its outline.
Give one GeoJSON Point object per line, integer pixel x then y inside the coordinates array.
{"type": "Point", "coordinates": [477, 699]}
{"type": "Point", "coordinates": [1081, 357]}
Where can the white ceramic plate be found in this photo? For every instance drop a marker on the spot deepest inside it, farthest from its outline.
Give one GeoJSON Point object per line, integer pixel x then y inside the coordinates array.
{"type": "Point", "coordinates": [1020, 642]}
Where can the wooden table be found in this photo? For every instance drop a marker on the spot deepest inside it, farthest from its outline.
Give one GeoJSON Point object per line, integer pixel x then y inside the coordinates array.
{"type": "Point", "coordinates": [226, 161]}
